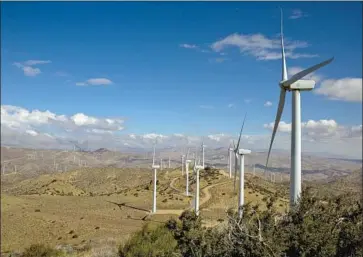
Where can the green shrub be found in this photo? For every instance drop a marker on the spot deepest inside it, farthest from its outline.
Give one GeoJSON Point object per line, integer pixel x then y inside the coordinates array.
{"type": "Point", "coordinates": [313, 228]}
{"type": "Point", "coordinates": [150, 242]}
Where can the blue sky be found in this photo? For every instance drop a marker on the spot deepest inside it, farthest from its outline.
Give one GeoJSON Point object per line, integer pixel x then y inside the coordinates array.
{"type": "Point", "coordinates": [159, 86]}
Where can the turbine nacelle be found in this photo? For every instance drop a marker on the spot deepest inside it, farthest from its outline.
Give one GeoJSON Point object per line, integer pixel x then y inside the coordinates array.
{"type": "Point", "coordinates": [302, 85]}
{"type": "Point", "coordinates": [155, 166]}
{"type": "Point", "coordinates": [243, 151]}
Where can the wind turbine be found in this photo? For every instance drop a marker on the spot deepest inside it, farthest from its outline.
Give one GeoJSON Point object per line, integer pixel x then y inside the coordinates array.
{"type": "Point", "coordinates": [182, 164]}
{"type": "Point", "coordinates": [187, 173]}
{"type": "Point", "coordinates": [196, 169]}
{"type": "Point", "coordinates": [230, 154]}
{"type": "Point", "coordinates": [240, 153]}
{"type": "Point", "coordinates": [154, 167]}
{"type": "Point", "coordinates": [294, 84]}
{"type": "Point", "coordinates": [203, 146]}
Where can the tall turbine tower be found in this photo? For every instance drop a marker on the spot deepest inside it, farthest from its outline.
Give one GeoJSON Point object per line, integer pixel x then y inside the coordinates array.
{"type": "Point", "coordinates": [196, 169]}
{"type": "Point", "coordinates": [187, 173]}
{"type": "Point", "coordinates": [182, 164]}
{"type": "Point", "coordinates": [294, 84]}
{"type": "Point", "coordinates": [240, 153]}
{"type": "Point", "coordinates": [230, 154]}
{"type": "Point", "coordinates": [203, 146]}
{"type": "Point", "coordinates": [154, 167]}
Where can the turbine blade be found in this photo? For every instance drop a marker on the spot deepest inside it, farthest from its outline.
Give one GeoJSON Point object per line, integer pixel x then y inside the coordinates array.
{"type": "Point", "coordinates": [305, 72]}
{"type": "Point", "coordinates": [284, 69]}
{"type": "Point", "coordinates": [240, 133]}
{"type": "Point", "coordinates": [277, 121]}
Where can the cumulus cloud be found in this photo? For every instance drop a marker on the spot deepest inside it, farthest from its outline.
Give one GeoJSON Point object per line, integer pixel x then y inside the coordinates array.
{"type": "Point", "coordinates": [321, 130]}
{"type": "Point", "coordinates": [45, 129]}
{"type": "Point", "coordinates": [267, 104]}
{"type": "Point", "coordinates": [297, 14]}
{"type": "Point", "coordinates": [346, 89]}
{"type": "Point", "coordinates": [36, 62]}
{"type": "Point", "coordinates": [95, 82]}
{"type": "Point", "coordinates": [261, 47]}
{"type": "Point", "coordinates": [188, 46]}
{"type": "Point", "coordinates": [28, 68]}
{"type": "Point", "coordinates": [31, 121]}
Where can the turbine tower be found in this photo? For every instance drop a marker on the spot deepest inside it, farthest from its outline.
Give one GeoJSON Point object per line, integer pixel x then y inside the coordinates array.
{"type": "Point", "coordinates": [196, 168]}
{"type": "Point", "coordinates": [187, 173]}
{"type": "Point", "coordinates": [154, 167]}
{"type": "Point", "coordinates": [203, 146]}
{"type": "Point", "coordinates": [294, 84]}
{"type": "Point", "coordinates": [240, 153]}
{"type": "Point", "coordinates": [182, 164]}
{"type": "Point", "coordinates": [230, 154]}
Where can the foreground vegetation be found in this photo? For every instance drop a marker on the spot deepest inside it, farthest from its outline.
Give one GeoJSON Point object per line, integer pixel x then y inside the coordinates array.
{"type": "Point", "coordinates": [316, 227]}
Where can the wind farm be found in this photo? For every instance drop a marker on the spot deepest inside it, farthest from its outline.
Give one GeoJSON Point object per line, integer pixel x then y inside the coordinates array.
{"type": "Point", "coordinates": [160, 163]}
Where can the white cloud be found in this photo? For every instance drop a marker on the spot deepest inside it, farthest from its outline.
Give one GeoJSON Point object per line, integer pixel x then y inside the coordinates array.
{"type": "Point", "coordinates": [230, 105]}
{"type": "Point", "coordinates": [261, 47]}
{"type": "Point", "coordinates": [283, 126]}
{"type": "Point", "coordinates": [31, 132]}
{"type": "Point", "coordinates": [267, 104]}
{"type": "Point", "coordinates": [95, 82]}
{"type": "Point", "coordinates": [21, 119]}
{"type": "Point", "coordinates": [99, 81]}
{"type": "Point", "coordinates": [216, 137]}
{"type": "Point", "coordinates": [188, 46]}
{"type": "Point", "coordinates": [36, 62]}
{"type": "Point", "coordinates": [346, 89]}
{"type": "Point", "coordinates": [36, 128]}
{"type": "Point", "coordinates": [297, 14]}
{"type": "Point", "coordinates": [28, 69]}
{"type": "Point", "coordinates": [321, 130]}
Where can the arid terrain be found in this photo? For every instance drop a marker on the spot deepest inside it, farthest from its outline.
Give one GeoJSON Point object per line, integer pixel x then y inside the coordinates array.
{"type": "Point", "coordinates": [78, 198]}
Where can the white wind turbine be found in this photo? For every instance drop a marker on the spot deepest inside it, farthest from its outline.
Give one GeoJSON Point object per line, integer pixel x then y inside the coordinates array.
{"type": "Point", "coordinates": [197, 167]}
{"type": "Point", "coordinates": [240, 153]}
{"type": "Point", "coordinates": [187, 173]}
{"type": "Point", "coordinates": [294, 84]}
{"type": "Point", "coordinates": [154, 167]}
{"type": "Point", "coordinates": [203, 146]}
{"type": "Point", "coordinates": [182, 164]}
{"type": "Point", "coordinates": [230, 154]}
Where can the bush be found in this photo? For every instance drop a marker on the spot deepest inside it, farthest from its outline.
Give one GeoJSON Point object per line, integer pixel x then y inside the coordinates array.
{"type": "Point", "coordinates": [150, 242]}
{"type": "Point", "coordinates": [313, 228]}
{"type": "Point", "coordinates": [39, 250]}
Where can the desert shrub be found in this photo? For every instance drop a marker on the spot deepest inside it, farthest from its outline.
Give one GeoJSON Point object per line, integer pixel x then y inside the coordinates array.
{"type": "Point", "coordinates": [39, 250]}
{"type": "Point", "coordinates": [207, 168]}
{"type": "Point", "coordinates": [314, 227]}
{"type": "Point", "coordinates": [151, 242]}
